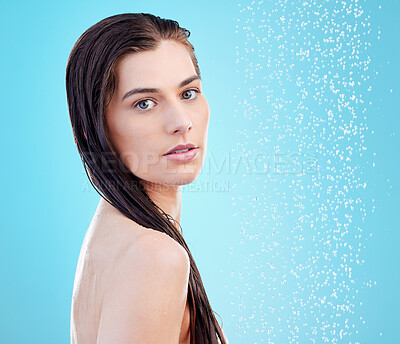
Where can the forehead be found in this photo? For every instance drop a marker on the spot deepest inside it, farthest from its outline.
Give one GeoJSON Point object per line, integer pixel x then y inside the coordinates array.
{"type": "Point", "coordinates": [166, 66]}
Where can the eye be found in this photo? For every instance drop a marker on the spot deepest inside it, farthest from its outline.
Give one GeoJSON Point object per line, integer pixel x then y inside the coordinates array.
{"type": "Point", "coordinates": [189, 92]}
{"type": "Point", "coordinates": [142, 104]}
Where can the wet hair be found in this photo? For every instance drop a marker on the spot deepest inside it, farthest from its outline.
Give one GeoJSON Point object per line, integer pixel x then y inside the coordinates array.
{"type": "Point", "coordinates": [90, 85]}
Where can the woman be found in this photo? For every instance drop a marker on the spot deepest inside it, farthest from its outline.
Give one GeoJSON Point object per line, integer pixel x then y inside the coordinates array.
{"type": "Point", "coordinates": [134, 97]}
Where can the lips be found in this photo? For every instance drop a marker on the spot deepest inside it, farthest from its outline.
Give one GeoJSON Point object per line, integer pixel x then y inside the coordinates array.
{"type": "Point", "coordinates": [181, 147]}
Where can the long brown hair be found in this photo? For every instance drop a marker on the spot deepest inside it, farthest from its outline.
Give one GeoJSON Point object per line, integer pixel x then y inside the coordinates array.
{"type": "Point", "coordinates": [90, 85]}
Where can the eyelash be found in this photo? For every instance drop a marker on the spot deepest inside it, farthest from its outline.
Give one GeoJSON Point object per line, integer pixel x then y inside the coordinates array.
{"type": "Point", "coordinates": [135, 105]}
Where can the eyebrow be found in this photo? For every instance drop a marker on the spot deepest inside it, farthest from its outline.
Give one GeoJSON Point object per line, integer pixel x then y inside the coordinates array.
{"type": "Point", "coordinates": [157, 90]}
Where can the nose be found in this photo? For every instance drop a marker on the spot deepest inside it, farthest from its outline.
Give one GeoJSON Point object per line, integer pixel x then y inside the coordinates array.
{"type": "Point", "coordinates": [178, 119]}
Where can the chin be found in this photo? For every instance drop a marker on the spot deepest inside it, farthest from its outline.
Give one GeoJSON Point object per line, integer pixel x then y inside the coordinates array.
{"type": "Point", "coordinates": [181, 179]}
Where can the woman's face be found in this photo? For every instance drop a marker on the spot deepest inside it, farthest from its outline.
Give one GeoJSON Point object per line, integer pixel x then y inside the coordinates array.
{"type": "Point", "coordinates": [166, 110]}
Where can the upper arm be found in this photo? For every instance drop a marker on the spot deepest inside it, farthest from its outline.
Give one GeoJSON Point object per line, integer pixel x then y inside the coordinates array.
{"type": "Point", "coordinates": [146, 295]}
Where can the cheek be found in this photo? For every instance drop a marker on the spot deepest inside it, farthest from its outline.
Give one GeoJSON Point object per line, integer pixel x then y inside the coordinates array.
{"type": "Point", "coordinates": [137, 146]}
{"type": "Point", "coordinates": [202, 115]}
{"type": "Point", "coordinates": [123, 134]}
{"type": "Point", "coordinates": [126, 138]}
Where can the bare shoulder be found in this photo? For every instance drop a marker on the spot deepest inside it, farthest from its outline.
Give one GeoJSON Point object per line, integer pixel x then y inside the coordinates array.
{"type": "Point", "coordinates": [156, 252]}
{"type": "Point", "coordinates": [114, 241]}
{"type": "Point", "coordinates": [160, 248]}
{"type": "Point", "coordinates": [146, 292]}
{"type": "Point", "coordinates": [111, 229]}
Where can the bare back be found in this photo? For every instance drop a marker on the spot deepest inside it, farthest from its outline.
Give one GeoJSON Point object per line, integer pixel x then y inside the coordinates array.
{"type": "Point", "coordinates": [109, 236]}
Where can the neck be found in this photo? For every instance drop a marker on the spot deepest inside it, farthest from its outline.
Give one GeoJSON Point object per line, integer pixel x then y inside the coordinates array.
{"type": "Point", "coordinates": [167, 197]}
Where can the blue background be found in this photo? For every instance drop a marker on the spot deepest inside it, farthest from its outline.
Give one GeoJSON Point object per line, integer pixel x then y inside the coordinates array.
{"type": "Point", "coordinates": [283, 256]}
